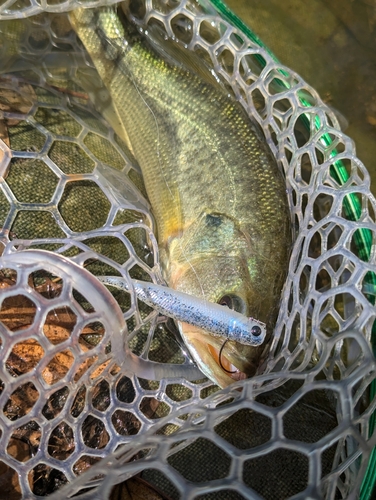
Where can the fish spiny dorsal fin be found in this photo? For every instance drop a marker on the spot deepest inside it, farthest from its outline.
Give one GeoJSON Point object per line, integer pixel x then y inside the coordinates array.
{"type": "Point", "coordinates": [176, 54]}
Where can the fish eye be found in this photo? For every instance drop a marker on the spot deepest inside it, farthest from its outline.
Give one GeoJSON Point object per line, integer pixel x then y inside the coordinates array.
{"type": "Point", "coordinates": [233, 302]}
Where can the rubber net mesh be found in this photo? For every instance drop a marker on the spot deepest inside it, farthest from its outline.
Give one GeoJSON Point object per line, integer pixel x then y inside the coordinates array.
{"type": "Point", "coordinates": [79, 363]}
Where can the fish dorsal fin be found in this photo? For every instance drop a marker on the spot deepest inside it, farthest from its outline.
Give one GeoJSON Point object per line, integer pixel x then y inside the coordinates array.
{"type": "Point", "coordinates": [176, 54]}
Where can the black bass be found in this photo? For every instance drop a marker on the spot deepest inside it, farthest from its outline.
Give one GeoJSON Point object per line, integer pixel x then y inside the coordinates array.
{"type": "Point", "coordinates": [217, 195]}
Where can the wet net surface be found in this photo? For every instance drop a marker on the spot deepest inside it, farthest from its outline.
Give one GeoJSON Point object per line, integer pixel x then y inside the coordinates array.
{"type": "Point", "coordinates": [71, 391]}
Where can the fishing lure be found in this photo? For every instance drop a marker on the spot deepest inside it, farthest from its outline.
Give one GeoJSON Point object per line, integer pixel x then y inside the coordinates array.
{"type": "Point", "coordinates": [213, 318]}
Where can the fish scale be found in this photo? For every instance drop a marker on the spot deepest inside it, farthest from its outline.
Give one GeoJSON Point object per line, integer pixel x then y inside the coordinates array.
{"type": "Point", "coordinates": [200, 155]}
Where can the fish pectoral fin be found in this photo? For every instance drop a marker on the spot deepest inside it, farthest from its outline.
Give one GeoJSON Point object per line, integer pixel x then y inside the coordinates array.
{"type": "Point", "coordinates": [173, 223]}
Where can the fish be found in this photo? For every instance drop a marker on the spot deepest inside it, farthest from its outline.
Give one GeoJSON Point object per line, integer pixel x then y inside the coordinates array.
{"type": "Point", "coordinates": [182, 307]}
{"type": "Point", "coordinates": [217, 195]}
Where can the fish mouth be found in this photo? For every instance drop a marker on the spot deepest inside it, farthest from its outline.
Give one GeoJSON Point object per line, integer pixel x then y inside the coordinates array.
{"type": "Point", "coordinates": [226, 365]}
{"type": "Point", "coordinates": [223, 364]}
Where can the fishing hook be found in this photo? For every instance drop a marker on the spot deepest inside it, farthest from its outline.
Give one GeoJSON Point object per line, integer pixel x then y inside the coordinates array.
{"type": "Point", "coordinates": [219, 358]}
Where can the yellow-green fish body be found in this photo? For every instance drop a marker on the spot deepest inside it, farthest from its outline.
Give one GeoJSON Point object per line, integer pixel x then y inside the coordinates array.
{"type": "Point", "coordinates": [217, 196]}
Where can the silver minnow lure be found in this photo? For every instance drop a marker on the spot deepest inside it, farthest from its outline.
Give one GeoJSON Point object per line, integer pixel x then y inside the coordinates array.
{"type": "Point", "coordinates": [214, 318]}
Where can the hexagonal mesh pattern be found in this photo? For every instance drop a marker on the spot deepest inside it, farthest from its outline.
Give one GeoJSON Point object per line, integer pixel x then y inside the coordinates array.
{"type": "Point", "coordinates": [16, 9]}
{"type": "Point", "coordinates": [302, 426]}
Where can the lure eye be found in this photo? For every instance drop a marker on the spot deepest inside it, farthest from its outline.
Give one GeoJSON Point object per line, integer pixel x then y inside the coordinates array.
{"type": "Point", "coordinates": [233, 302]}
{"type": "Point", "coordinates": [256, 331]}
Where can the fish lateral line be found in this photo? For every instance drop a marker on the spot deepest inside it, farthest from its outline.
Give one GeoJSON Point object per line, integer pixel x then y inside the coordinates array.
{"type": "Point", "coordinates": [216, 319]}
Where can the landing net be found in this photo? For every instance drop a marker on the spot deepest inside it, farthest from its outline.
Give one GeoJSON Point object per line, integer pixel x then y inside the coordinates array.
{"type": "Point", "coordinates": [78, 414]}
